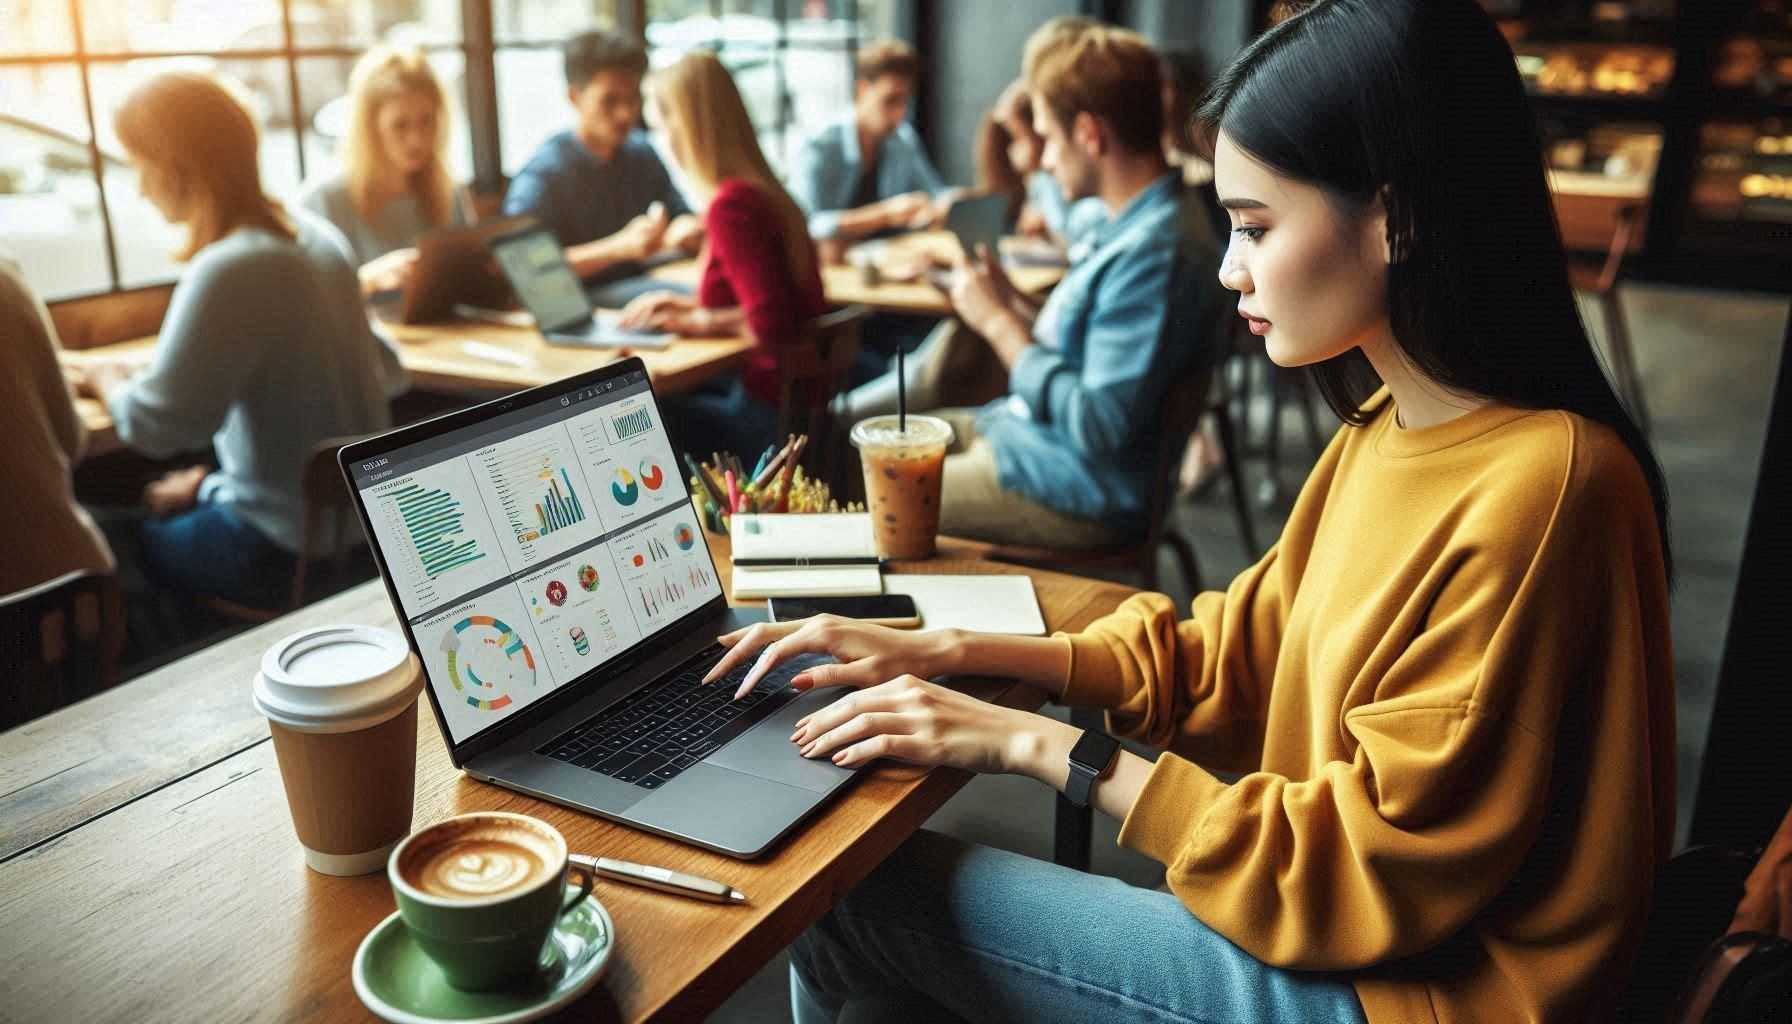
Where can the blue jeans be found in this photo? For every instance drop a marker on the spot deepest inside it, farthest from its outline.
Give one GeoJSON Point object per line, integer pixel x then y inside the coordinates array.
{"type": "Point", "coordinates": [208, 550]}
{"type": "Point", "coordinates": [946, 930]}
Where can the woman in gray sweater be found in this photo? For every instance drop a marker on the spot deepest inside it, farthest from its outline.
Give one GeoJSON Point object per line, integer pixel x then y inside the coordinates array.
{"type": "Point", "coordinates": [266, 350]}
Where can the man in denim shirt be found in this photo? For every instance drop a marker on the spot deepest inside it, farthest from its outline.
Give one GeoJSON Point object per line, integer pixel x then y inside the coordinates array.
{"type": "Point", "coordinates": [869, 174]}
{"type": "Point", "coordinates": [1065, 459]}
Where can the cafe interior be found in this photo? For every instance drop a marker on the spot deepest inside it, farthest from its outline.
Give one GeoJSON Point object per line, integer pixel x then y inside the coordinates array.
{"type": "Point", "coordinates": [911, 376]}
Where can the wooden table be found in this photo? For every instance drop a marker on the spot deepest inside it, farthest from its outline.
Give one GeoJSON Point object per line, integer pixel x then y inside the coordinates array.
{"type": "Point", "coordinates": [900, 256]}
{"type": "Point", "coordinates": [435, 357]}
{"type": "Point", "coordinates": [148, 868]}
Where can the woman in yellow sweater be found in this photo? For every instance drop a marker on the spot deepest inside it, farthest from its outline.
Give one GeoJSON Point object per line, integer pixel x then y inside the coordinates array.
{"type": "Point", "coordinates": [1448, 685]}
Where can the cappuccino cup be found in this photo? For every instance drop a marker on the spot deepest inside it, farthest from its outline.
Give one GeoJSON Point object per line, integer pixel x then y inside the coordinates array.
{"type": "Point", "coordinates": [341, 703]}
{"type": "Point", "coordinates": [481, 893]}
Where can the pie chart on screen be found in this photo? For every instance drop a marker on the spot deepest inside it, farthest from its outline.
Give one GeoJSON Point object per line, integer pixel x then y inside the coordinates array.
{"type": "Point", "coordinates": [623, 488]}
{"type": "Point", "coordinates": [683, 536]}
{"type": "Point", "coordinates": [651, 475]}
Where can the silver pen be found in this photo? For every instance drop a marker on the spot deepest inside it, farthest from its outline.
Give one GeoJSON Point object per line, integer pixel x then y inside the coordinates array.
{"type": "Point", "coordinates": [663, 879]}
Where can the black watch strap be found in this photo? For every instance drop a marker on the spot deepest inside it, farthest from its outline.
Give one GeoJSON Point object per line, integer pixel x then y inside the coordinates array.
{"type": "Point", "coordinates": [1090, 759]}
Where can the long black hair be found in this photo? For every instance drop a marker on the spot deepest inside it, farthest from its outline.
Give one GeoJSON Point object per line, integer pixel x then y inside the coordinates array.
{"type": "Point", "coordinates": [1419, 103]}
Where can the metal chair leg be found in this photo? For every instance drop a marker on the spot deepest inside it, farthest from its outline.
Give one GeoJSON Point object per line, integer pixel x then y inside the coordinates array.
{"type": "Point", "coordinates": [1185, 559]}
{"type": "Point", "coordinates": [1072, 826]}
{"type": "Point", "coordinates": [1234, 456]}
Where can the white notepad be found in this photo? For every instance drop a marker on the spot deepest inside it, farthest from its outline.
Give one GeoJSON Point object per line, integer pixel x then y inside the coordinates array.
{"type": "Point", "coordinates": [986, 604]}
{"type": "Point", "coordinates": [819, 581]}
{"type": "Point", "coordinates": [812, 535]}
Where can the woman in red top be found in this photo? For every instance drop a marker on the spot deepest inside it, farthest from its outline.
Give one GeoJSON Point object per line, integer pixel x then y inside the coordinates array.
{"type": "Point", "coordinates": [760, 275]}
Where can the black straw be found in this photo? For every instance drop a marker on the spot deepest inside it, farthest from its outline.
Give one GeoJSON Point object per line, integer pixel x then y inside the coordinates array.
{"type": "Point", "coordinates": [901, 393]}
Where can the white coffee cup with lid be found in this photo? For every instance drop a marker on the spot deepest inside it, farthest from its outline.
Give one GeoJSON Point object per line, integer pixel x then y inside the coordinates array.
{"type": "Point", "coordinates": [341, 703]}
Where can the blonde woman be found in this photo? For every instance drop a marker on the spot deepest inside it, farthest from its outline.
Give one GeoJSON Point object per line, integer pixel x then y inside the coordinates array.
{"type": "Point", "coordinates": [265, 349]}
{"type": "Point", "coordinates": [758, 268]}
{"type": "Point", "coordinates": [393, 186]}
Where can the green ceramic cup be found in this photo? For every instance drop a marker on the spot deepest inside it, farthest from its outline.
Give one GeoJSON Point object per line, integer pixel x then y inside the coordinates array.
{"type": "Point", "coordinates": [481, 894]}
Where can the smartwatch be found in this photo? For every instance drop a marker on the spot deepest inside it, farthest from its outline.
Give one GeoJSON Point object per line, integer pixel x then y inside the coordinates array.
{"type": "Point", "coordinates": [1090, 759]}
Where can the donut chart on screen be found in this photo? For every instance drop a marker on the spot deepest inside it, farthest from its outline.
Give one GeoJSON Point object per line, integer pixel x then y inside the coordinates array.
{"type": "Point", "coordinates": [484, 629]}
{"type": "Point", "coordinates": [651, 475]}
{"type": "Point", "coordinates": [684, 536]}
{"type": "Point", "coordinates": [624, 489]}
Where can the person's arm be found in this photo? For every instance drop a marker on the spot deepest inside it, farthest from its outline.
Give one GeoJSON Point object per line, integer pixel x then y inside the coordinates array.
{"type": "Point", "coordinates": [531, 194]}
{"type": "Point", "coordinates": [919, 172]}
{"type": "Point", "coordinates": [29, 330]}
{"type": "Point", "coordinates": [988, 303]}
{"type": "Point", "coordinates": [1098, 401]}
{"type": "Point", "coordinates": [746, 242]}
{"type": "Point", "coordinates": [210, 343]}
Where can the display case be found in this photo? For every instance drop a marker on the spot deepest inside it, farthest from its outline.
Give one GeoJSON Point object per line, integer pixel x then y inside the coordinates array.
{"type": "Point", "coordinates": [1682, 108]}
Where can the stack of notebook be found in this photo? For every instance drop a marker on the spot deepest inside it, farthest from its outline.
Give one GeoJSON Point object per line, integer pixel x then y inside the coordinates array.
{"type": "Point", "coordinates": [810, 555]}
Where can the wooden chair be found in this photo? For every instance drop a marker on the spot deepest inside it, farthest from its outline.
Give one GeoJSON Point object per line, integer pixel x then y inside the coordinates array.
{"type": "Point", "coordinates": [816, 366]}
{"type": "Point", "coordinates": [62, 640]}
{"type": "Point", "coordinates": [1183, 406]}
{"type": "Point", "coordinates": [1601, 281]}
{"type": "Point", "coordinates": [327, 505]}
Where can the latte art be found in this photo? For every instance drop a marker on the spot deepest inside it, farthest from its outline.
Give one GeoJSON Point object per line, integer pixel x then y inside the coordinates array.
{"type": "Point", "coordinates": [477, 863]}
{"type": "Point", "coordinates": [480, 868]}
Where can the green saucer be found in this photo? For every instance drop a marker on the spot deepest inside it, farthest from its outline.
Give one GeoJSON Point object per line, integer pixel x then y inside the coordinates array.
{"type": "Point", "coordinates": [400, 983]}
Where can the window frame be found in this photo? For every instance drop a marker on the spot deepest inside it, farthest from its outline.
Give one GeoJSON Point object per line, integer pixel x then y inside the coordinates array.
{"type": "Point", "coordinates": [478, 48]}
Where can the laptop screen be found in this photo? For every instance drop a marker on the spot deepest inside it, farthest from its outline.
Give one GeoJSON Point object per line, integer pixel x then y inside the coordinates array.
{"type": "Point", "coordinates": [532, 548]}
{"type": "Point", "coordinates": [538, 273]}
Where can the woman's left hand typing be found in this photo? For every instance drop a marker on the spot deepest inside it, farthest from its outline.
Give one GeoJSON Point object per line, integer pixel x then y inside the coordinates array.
{"type": "Point", "coordinates": [913, 720]}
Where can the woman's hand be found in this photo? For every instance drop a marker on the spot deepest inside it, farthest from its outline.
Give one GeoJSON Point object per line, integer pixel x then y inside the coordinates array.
{"type": "Point", "coordinates": [98, 377]}
{"type": "Point", "coordinates": [174, 493]}
{"type": "Point", "coordinates": [391, 272]}
{"type": "Point", "coordinates": [650, 311]}
{"type": "Point", "coordinates": [911, 719]}
{"type": "Point", "coordinates": [1767, 895]}
{"type": "Point", "coordinates": [869, 655]}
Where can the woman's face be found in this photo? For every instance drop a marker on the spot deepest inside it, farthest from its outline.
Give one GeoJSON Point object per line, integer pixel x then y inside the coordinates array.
{"type": "Point", "coordinates": [1312, 282]}
{"type": "Point", "coordinates": [668, 126]}
{"type": "Point", "coordinates": [160, 188]}
{"type": "Point", "coordinates": [407, 125]}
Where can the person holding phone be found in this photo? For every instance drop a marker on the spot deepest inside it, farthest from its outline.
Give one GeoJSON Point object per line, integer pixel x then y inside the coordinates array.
{"type": "Point", "coordinates": [1064, 458]}
{"type": "Point", "coordinates": [1444, 697]}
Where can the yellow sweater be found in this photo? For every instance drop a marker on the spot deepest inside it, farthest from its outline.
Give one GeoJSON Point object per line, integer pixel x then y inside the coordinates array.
{"type": "Point", "coordinates": [1450, 686]}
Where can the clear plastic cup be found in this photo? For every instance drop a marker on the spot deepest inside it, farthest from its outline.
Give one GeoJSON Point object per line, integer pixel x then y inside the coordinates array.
{"type": "Point", "coordinates": [902, 481]}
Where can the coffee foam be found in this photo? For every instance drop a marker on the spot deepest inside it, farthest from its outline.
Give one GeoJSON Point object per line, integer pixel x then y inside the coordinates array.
{"type": "Point", "coordinates": [477, 861]}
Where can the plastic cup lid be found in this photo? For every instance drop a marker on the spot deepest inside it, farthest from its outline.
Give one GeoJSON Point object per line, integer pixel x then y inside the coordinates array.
{"type": "Point", "coordinates": [883, 432]}
{"type": "Point", "coordinates": [336, 679]}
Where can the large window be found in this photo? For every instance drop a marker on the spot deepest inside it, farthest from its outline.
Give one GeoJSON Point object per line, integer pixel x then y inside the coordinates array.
{"type": "Point", "coordinates": [69, 207]}
{"type": "Point", "coordinates": [792, 59]}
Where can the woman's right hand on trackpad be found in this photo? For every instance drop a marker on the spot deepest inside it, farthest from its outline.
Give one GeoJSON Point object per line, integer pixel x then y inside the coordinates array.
{"type": "Point", "coordinates": [867, 655]}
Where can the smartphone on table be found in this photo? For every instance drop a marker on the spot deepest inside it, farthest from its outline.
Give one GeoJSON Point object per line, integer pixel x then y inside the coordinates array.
{"type": "Point", "coordinates": [896, 610]}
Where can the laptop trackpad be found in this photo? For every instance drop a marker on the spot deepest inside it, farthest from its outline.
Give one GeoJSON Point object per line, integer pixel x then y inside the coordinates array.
{"type": "Point", "coordinates": [766, 750]}
{"type": "Point", "coordinates": [723, 809]}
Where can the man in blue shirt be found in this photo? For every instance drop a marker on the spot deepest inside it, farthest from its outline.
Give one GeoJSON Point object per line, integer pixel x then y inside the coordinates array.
{"type": "Point", "coordinates": [869, 174]}
{"type": "Point", "coordinates": [1065, 459]}
{"type": "Point", "coordinates": [599, 186]}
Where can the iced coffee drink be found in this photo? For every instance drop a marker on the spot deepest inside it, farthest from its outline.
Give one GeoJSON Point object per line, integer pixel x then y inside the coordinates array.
{"type": "Point", "coordinates": [902, 481]}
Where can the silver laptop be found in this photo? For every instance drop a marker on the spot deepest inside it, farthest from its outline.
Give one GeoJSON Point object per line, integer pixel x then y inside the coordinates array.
{"type": "Point", "coordinates": [536, 267]}
{"type": "Point", "coordinates": [545, 562]}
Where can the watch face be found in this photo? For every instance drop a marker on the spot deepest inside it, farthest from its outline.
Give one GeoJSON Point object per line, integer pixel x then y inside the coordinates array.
{"type": "Point", "coordinates": [1094, 750]}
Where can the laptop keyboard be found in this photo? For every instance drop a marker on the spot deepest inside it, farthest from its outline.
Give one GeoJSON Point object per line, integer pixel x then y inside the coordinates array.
{"type": "Point", "coordinates": [648, 738]}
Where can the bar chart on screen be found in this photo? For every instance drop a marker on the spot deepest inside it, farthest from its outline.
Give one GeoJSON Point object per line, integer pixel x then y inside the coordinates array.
{"type": "Point", "coordinates": [435, 532]}
{"type": "Point", "coordinates": [540, 491]}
